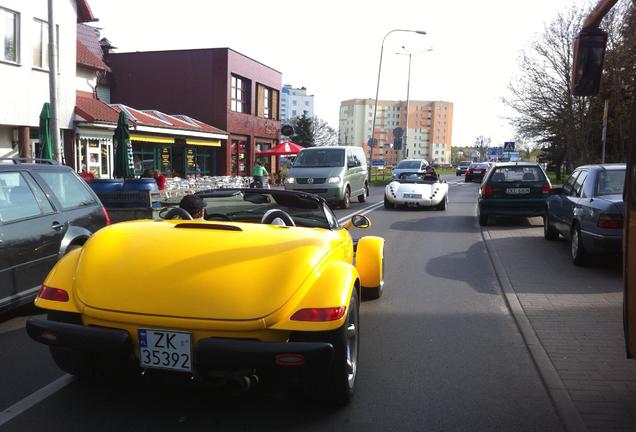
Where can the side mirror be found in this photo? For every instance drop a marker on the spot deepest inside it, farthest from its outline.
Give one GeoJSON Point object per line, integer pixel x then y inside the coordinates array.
{"type": "Point", "coordinates": [358, 221]}
{"type": "Point", "coordinates": [587, 67]}
{"type": "Point", "coordinates": [556, 191]}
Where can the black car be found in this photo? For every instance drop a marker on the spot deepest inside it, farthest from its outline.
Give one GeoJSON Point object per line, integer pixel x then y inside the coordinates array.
{"type": "Point", "coordinates": [461, 168]}
{"type": "Point", "coordinates": [46, 209]}
{"type": "Point", "coordinates": [588, 210]}
{"type": "Point", "coordinates": [513, 189]}
{"type": "Point", "coordinates": [476, 171]}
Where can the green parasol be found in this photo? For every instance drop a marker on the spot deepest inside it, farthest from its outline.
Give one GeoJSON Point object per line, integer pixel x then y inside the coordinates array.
{"type": "Point", "coordinates": [124, 167]}
{"type": "Point", "coordinates": [46, 151]}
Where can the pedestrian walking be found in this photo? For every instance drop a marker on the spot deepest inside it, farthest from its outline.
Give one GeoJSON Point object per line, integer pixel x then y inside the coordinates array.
{"type": "Point", "coordinates": [259, 173]}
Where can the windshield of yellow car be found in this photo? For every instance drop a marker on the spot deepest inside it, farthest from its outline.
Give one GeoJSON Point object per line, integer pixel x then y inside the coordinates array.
{"type": "Point", "coordinates": [250, 206]}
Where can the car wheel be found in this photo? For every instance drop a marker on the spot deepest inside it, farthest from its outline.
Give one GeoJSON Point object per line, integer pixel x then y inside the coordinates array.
{"type": "Point", "coordinates": [579, 256]}
{"type": "Point", "coordinates": [442, 205]}
{"type": "Point", "coordinates": [71, 361]}
{"type": "Point", "coordinates": [466, 179]}
{"type": "Point", "coordinates": [363, 198]}
{"type": "Point", "coordinates": [346, 201]}
{"type": "Point", "coordinates": [483, 219]}
{"type": "Point", "coordinates": [549, 233]}
{"type": "Point", "coordinates": [388, 204]}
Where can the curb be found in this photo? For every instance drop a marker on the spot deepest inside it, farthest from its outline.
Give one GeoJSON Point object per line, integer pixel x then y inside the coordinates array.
{"type": "Point", "coordinates": [565, 408]}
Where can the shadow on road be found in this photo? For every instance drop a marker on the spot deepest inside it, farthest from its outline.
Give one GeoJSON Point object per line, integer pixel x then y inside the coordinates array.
{"type": "Point", "coordinates": [449, 224]}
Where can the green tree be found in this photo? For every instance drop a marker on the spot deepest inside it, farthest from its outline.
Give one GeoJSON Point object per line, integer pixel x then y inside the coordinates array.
{"type": "Point", "coordinates": [303, 131]}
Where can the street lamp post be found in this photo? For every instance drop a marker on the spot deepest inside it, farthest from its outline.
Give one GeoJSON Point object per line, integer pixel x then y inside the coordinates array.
{"type": "Point", "coordinates": [408, 91]}
{"type": "Point", "coordinates": [377, 91]}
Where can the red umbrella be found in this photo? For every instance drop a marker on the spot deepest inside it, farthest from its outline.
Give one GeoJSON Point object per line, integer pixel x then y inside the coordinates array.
{"type": "Point", "coordinates": [285, 148]}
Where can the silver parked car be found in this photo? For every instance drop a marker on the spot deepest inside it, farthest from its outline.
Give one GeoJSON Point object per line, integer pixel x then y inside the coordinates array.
{"type": "Point", "coordinates": [588, 210]}
{"type": "Point", "coordinates": [409, 165]}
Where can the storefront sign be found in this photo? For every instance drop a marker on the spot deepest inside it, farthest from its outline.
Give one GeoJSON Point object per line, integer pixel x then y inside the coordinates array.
{"type": "Point", "coordinates": [165, 159]}
{"type": "Point", "coordinates": [190, 159]}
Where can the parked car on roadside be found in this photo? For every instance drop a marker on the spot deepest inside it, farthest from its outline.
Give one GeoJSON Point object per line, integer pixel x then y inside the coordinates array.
{"type": "Point", "coordinates": [46, 210]}
{"type": "Point", "coordinates": [513, 189]}
{"type": "Point", "coordinates": [476, 171]}
{"type": "Point", "coordinates": [588, 210]}
{"type": "Point", "coordinates": [409, 165]}
{"type": "Point", "coordinates": [461, 168]}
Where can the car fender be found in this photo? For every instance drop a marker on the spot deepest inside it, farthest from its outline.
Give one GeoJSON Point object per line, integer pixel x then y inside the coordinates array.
{"type": "Point", "coordinates": [331, 288]}
{"type": "Point", "coordinates": [369, 261]}
{"type": "Point", "coordinates": [75, 235]}
{"type": "Point", "coordinates": [62, 276]}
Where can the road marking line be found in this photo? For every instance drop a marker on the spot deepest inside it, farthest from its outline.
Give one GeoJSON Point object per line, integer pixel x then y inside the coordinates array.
{"type": "Point", "coordinates": [34, 398]}
{"type": "Point", "coordinates": [364, 211]}
{"type": "Point", "coordinates": [563, 404]}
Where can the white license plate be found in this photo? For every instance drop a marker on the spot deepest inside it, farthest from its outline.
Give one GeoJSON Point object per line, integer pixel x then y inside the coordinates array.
{"type": "Point", "coordinates": [414, 196]}
{"type": "Point", "coordinates": [165, 349]}
{"type": "Point", "coordinates": [517, 191]}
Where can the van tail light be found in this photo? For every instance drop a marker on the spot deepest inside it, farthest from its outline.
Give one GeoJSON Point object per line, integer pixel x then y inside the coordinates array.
{"type": "Point", "coordinates": [467, 171]}
{"type": "Point", "coordinates": [486, 190]}
{"type": "Point", "coordinates": [610, 221]}
{"type": "Point", "coordinates": [319, 314]}
{"type": "Point", "coordinates": [547, 187]}
{"type": "Point", "coordinates": [54, 294]}
{"type": "Point", "coordinates": [106, 216]}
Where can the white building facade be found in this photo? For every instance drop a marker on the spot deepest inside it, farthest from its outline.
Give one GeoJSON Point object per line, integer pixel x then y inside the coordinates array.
{"type": "Point", "coordinates": [295, 102]}
{"type": "Point", "coordinates": [24, 70]}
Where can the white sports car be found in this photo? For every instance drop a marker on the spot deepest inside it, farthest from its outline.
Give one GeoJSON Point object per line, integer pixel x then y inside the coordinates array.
{"type": "Point", "coordinates": [415, 189]}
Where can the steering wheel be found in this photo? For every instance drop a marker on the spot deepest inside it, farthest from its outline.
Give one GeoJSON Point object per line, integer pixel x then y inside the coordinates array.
{"type": "Point", "coordinates": [209, 216]}
{"type": "Point", "coordinates": [177, 211]}
{"type": "Point", "coordinates": [272, 214]}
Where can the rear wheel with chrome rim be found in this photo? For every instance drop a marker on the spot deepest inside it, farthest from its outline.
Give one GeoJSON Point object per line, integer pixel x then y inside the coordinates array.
{"type": "Point", "coordinates": [579, 255]}
{"type": "Point", "coordinates": [363, 198]}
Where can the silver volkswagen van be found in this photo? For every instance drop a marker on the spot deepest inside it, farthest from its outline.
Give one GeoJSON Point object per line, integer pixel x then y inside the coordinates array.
{"type": "Point", "coordinates": [335, 173]}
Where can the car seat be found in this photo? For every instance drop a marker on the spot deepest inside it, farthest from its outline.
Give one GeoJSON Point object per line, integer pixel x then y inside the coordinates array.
{"type": "Point", "coordinates": [528, 177]}
{"type": "Point", "coordinates": [498, 177]}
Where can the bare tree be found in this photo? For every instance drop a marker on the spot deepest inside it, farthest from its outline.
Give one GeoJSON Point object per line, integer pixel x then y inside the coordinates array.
{"type": "Point", "coordinates": [324, 135]}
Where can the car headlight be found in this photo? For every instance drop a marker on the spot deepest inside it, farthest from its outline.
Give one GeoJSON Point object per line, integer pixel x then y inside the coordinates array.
{"type": "Point", "coordinates": [290, 180]}
{"type": "Point", "coordinates": [335, 179]}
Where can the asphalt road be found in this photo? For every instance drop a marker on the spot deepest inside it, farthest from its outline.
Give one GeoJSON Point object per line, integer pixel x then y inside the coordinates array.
{"type": "Point", "coordinates": [439, 352]}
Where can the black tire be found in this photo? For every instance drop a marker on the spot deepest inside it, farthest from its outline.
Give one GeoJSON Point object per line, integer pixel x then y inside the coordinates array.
{"type": "Point", "coordinates": [363, 198]}
{"type": "Point", "coordinates": [73, 362]}
{"type": "Point", "coordinates": [483, 219]}
{"type": "Point", "coordinates": [388, 204]}
{"type": "Point", "coordinates": [466, 179]}
{"type": "Point", "coordinates": [442, 205]}
{"type": "Point", "coordinates": [346, 201]}
{"type": "Point", "coordinates": [336, 386]}
{"type": "Point", "coordinates": [578, 253]}
{"type": "Point", "coordinates": [72, 248]}
{"type": "Point", "coordinates": [549, 233]}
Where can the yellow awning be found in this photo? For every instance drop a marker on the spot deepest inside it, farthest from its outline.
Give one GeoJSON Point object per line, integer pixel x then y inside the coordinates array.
{"type": "Point", "coordinates": [214, 143]}
{"type": "Point", "coordinates": [152, 139]}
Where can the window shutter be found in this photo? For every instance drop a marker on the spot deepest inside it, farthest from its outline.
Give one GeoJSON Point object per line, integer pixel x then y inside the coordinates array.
{"type": "Point", "coordinates": [274, 107]}
{"type": "Point", "coordinates": [259, 100]}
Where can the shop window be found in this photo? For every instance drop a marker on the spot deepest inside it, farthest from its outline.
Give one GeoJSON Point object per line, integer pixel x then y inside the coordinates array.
{"type": "Point", "coordinates": [240, 94]}
{"type": "Point", "coordinates": [240, 157]}
{"type": "Point", "coordinates": [143, 157]}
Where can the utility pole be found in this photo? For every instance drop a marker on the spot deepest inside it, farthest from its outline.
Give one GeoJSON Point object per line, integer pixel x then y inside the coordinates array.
{"type": "Point", "coordinates": [604, 135]}
{"type": "Point", "coordinates": [55, 129]}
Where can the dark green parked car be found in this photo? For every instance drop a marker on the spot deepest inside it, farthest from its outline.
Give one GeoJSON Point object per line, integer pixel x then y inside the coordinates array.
{"type": "Point", "coordinates": [513, 189]}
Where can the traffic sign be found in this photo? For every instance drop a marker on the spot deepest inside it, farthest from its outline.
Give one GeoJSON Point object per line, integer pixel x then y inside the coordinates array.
{"type": "Point", "coordinates": [377, 162]}
{"type": "Point", "coordinates": [509, 146]}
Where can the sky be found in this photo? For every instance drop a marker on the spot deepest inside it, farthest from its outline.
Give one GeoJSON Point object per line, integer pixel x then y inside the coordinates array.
{"type": "Point", "coordinates": [332, 47]}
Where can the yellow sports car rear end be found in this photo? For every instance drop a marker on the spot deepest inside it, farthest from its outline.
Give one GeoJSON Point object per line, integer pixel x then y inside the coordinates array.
{"type": "Point", "coordinates": [235, 297]}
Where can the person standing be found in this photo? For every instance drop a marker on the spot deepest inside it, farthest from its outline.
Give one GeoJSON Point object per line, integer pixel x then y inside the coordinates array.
{"type": "Point", "coordinates": [259, 173]}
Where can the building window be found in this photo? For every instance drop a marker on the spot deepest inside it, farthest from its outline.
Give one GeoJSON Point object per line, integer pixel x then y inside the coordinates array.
{"type": "Point", "coordinates": [306, 103]}
{"type": "Point", "coordinates": [294, 102]}
{"type": "Point", "coordinates": [266, 102]}
{"type": "Point", "coordinates": [40, 44]}
{"type": "Point", "coordinates": [9, 34]}
{"type": "Point", "coordinates": [240, 94]}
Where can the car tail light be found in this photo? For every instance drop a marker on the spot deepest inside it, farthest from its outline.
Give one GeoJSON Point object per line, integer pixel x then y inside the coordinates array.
{"type": "Point", "coordinates": [467, 171]}
{"type": "Point", "coordinates": [290, 359]}
{"type": "Point", "coordinates": [319, 314]}
{"type": "Point", "coordinates": [54, 294]}
{"type": "Point", "coordinates": [610, 221]}
{"type": "Point", "coordinates": [486, 190]}
{"type": "Point", "coordinates": [106, 216]}
{"type": "Point", "coordinates": [546, 188]}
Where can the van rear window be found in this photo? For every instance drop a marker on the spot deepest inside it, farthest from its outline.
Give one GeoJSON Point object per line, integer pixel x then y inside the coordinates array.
{"type": "Point", "coordinates": [517, 174]}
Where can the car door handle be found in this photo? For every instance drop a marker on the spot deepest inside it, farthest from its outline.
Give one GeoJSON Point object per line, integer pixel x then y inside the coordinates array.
{"type": "Point", "coordinates": [57, 226]}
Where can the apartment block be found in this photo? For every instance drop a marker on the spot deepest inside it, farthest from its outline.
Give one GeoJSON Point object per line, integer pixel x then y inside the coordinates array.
{"type": "Point", "coordinates": [428, 135]}
{"type": "Point", "coordinates": [295, 102]}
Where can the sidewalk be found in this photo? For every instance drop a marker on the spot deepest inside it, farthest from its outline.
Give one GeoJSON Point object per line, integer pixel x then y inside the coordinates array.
{"type": "Point", "coordinates": [576, 313]}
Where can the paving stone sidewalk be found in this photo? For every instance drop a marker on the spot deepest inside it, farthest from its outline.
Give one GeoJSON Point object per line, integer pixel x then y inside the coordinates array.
{"type": "Point", "coordinates": [577, 315]}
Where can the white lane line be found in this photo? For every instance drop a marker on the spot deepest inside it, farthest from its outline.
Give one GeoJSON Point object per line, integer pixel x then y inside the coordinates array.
{"type": "Point", "coordinates": [34, 398]}
{"type": "Point", "coordinates": [367, 209]}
